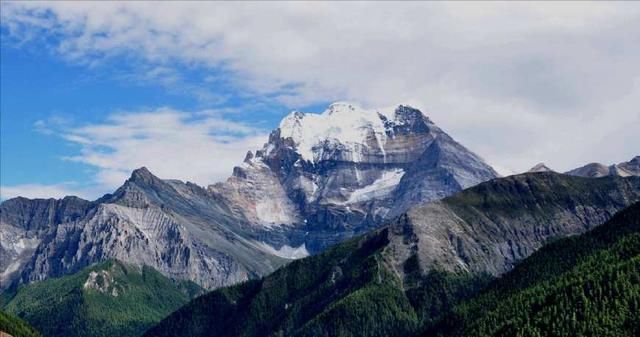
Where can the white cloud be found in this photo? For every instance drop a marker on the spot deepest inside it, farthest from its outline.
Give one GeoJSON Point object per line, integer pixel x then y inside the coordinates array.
{"type": "Point", "coordinates": [518, 83]}
{"type": "Point", "coordinates": [201, 147]}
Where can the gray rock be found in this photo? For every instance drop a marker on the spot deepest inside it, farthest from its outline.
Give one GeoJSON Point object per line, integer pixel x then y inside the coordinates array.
{"type": "Point", "coordinates": [491, 227]}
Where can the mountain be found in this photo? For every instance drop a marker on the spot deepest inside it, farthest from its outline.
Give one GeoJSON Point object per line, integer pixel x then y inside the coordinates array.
{"type": "Point", "coordinates": [109, 299]}
{"type": "Point", "coordinates": [540, 167]}
{"type": "Point", "coordinates": [593, 170]}
{"type": "Point", "coordinates": [320, 179]}
{"type": "Point", "coordinates": [12, 326]}
{"type": "Point", "coordinates": [596, 170]}
{"type": "Point", "coordinates": [630, 168]}
{"type": "Point", "coordinates": [580, 286]}
{"type": "Point", "coordinates": [177, 228]}
{"type": "Point", "coordinates": [398, 279]}
{"type": "Point", "coordinates": [325, 177]}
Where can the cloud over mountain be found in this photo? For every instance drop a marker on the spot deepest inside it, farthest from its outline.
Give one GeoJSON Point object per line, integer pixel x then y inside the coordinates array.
{"type": "Point", "coordinates": [521, 82]}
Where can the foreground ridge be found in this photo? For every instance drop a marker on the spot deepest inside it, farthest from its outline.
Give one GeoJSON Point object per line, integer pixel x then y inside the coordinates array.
{"type": "Point", "coordinates": [404, 277]}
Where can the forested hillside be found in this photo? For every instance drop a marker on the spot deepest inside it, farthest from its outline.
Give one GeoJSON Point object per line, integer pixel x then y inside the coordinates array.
{"type": "Point", "coordinates": [346, 291]}
{"type": "Point", "coordinates": [108, 299]}
{"type": "Point", "coordinates": [15, 326]}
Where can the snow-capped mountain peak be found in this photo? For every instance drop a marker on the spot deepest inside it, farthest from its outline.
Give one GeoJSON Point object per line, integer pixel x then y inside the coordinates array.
{"type": "Point", "coordinates": [349, 166]}
{"type": "Point", "coordinates": [346, 127]}
{"type": "Point", "coordinates": [341, 123]}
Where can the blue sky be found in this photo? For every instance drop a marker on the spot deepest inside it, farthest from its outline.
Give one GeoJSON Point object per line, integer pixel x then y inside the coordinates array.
{"type": "Point", "coordinates": [38, 86]}
{"type": "Point", "coordinates": [44, 95]}
{"type": "Point", "coordinates": [91, 91]}
{"type": "Point", "coordinates": [38, 89]}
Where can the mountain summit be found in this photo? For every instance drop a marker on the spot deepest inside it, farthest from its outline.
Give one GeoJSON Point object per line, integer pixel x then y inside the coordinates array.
{"type": "Point", "coordinates": [324, 177]}
{"type": "Point", "coordinates": [540, 167]}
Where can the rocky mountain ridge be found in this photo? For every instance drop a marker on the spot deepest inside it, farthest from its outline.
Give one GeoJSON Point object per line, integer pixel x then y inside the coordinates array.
{"type": "Point", "coordinates": [178, 228]}
{"type": "Point", "coordinates": [596, 170]}
{"type": "Point", "coordinates": [492, 226]}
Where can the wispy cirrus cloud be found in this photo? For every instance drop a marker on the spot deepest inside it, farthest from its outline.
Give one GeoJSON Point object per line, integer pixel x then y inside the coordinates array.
{"type": "Point", "coordinates": [517, 82]}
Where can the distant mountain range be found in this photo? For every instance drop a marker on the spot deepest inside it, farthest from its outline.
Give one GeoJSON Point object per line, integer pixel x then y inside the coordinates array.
{"type": "Point", "coordinates": [320, 179]}
{"type": "Point", "coordinates": [540, 167]}
{"type": "Point", "coordinates": [597, 170]}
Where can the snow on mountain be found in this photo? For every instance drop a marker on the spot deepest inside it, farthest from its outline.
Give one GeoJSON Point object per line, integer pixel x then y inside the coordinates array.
{"type": "Point", "coordinates": [345, 124]}
{"type": "Point", "coordinates": [381, 187]}
{"type": "Point", "coordinates": [286, 251]}
{"type": "Point", "coordinates": [323, 177]}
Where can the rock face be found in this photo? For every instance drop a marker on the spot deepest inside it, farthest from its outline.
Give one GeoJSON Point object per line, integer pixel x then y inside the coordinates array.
{"type": "Point", "coordinates": [320, 178]}
{"type": "Point", "coordinates": [489, 228]}
{"type": "Point", "coordinates": [597, 170]}
{"type": "Point", "coordinates": [325, 177]}
{"type": "Point", "coordinates": [23, 223]}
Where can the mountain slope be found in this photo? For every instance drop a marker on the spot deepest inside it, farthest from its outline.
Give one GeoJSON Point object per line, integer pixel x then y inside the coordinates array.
{"type": "Point", "coordinates": [342, 292]}
{"type": "Point", "coordinates": [16, 327]}
{"type": "Point", "coordinates": [396, 280]}
{"type": "Point", "coordinates": [580, 286]}
{"type": "Point", "coordinates": [488, 228]}
{"type": "Point", "coordinates": [320, 179]}
{"type": "Point", "coordinates": [108, 299]}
